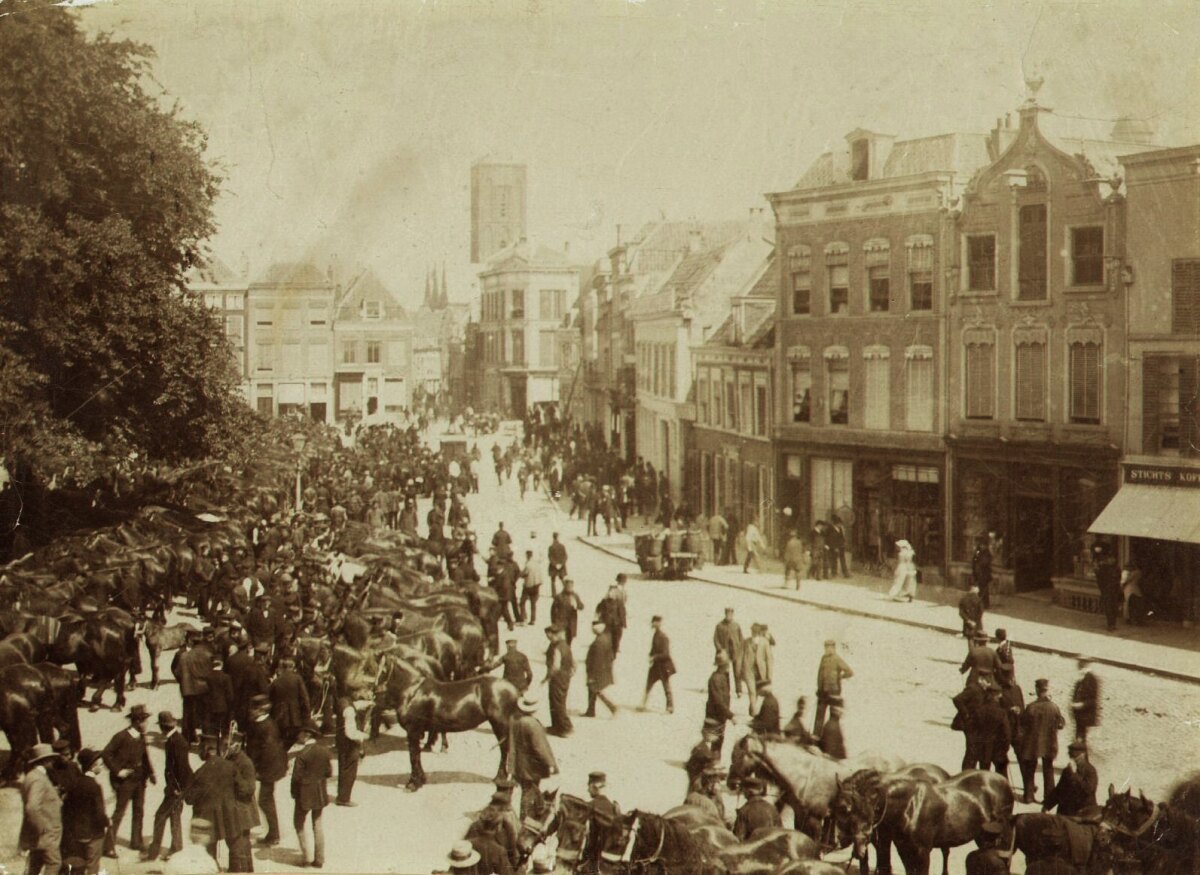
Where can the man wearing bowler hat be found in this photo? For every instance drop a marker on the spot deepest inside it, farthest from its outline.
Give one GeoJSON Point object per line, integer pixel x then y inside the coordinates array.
{"type": "Point", "coordinates": [1041, 723]}
{"type": "Point", "coordinates": [177, 776]}
{"type": "Point", "coordinates": [311, 772]}
{"type": "Point", "coordinates": [128, 764]}
{"type": "Point", "coordinates": [1075, 792]}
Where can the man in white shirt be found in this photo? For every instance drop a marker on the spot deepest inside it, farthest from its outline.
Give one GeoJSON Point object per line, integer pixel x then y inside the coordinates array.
{"type": "Point", "coordinates": [350, 738]}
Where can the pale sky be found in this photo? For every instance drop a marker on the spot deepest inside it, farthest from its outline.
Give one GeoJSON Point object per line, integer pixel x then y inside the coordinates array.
{"type": "Point", "coordinates": [349, 126]}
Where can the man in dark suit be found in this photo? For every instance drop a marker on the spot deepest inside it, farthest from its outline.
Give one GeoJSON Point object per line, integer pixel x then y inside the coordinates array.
{"type": "Point", "coordinates": [757, 813]}
{"type": "Point", "coordinates": [718, 709]}
{"type": "Point", "coordinates": [85, 822]}
{"type": "Point", "coordinates": [262, 622]}
{"type": "Point", "coordinates": [310, 772]}
{"type": "Point", "coordinates": [611, 612]}
{"type": "Point", "coordinates": [191, 666]}
{"type": "Point", "coordinates": [212, 795]}
{"type": "Point", "coordinates": [218, 701]}
{"type": "Point", "coordinates": [290, 705]}
{"type": "Point", "coordinates": [238, 666]}
{"type": "Point", "coordinates": [177, 776]}
{"type": "Point", "coordinates": [516, 666]}
{"type": "Point", "coordinates": [661, 665]}
{"type": "Point", "coordinates": [564, 610]}
{"type": "Point", "coordinates": [266, 749]}
{"type": "Point", "coordinates": [981, 660]}
{"type": "Point", "coordinates": [767, 718]}
{"type": "Point", "coordinates": [599, 665]}
{"type": "Point", "coordinates": [129, 769]}
{"type": "Point", "coordinates": [1075, 792]}
{"type": "Point", "coordinates": [601, 804]}
{"type": "Point", "coordinates": [256, 681]}
{"type": "Point", "coordinates": [556, 556]}
{"type": "Point", "coordinates": [244, 781]}
{"type": "Point", "coordinates": [1085, 701]}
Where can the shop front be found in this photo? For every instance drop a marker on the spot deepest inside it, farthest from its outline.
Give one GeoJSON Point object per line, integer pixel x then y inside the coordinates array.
{"type": "Point", "coordinates": [1033, 508]}
{"type": "Point", "coordinates": [879, 496]}
{"type": "Point", "coordinates": [1155, 515]}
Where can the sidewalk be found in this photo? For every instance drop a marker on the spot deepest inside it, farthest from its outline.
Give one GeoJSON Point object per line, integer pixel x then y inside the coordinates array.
{"type": "Point", "coordinates": [1032, 622]}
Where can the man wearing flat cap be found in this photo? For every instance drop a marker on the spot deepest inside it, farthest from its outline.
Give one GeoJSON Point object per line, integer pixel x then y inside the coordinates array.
{"type": "Point", "coordinates": [517, 670]}
{"type": "Point", "coordinates": [718, 709]}
{"type": "Point", "coordinates": [1075, 792]}
{"type": "Point", "coordinates": [1041, 723]}
{"type": "Point", "coordinates": [661, 665]}
{"type": "Point", "coordinates": [831, 671]}
{"type": "Point", "coordinates": [128, 764]}
{"type": "Point", "coordinates": [601, 804]}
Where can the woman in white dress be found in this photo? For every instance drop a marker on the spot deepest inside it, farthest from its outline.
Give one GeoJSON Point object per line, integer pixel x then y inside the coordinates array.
{"type": "Point", "coordinates": [904, 583]}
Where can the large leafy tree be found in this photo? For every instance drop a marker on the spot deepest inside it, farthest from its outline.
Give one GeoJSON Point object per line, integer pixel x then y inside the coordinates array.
{"type": "Point", "coordinates": [104, 200]}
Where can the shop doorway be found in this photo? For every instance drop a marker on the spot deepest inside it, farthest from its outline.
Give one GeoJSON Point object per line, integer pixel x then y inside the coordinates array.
{"type": "Point", "coordinates": [316, 410]}
{"type": "Point", "coordinates": [1032, 542]}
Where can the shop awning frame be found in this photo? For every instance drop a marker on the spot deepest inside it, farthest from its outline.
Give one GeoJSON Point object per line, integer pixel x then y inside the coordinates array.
{"type": "Point", "coordinates": [1161, 512]}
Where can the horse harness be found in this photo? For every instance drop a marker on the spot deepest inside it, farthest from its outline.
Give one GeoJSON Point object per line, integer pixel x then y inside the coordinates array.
{"type": "Point", "coordinates": [625, 858]}
{"type": "Point", "coordinates": [1154, 824]}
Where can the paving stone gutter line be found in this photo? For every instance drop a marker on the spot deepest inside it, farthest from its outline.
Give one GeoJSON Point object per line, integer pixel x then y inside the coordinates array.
{"type": "Point", "coordinates": [623, 554]}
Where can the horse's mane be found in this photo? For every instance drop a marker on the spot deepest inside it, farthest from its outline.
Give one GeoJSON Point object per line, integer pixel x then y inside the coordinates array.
{"type": "Point", "coordinates": [1184, 797]}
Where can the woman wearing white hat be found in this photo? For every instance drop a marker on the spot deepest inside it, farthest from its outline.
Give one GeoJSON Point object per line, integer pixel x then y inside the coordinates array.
{"type": "Point", "coordinates": [904, 584]}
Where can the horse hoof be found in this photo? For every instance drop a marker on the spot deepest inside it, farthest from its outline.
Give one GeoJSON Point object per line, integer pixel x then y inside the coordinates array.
{"type": "Point", "coordinates": [412, 786]}
{"type": "Point", "coordinates": [116, 709]}
{"type": "Point", "coordinates": [93, 708]}
{"type": "Point", "coordinates": [445, 748]}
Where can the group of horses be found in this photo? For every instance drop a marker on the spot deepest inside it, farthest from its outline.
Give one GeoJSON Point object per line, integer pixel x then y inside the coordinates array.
{"type": "Point", "coordinates": [872, 801]}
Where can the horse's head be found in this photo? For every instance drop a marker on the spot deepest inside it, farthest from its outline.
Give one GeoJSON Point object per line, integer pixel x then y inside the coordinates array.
{"type": "Point", "coordinates": [1125, 810]}
{"type": "Point", "coordinates": [541, 822]}
{"type": "Point", "coordinates": [1129, 825]}
{"type": "Point", "coordinates": [616, 837]}
{"type": "Point", "coordinates": [857, 809]}
{"type": "Point", "coordinates": [746, 760]}
{"type": "Point", "coordinates": [574, 832]}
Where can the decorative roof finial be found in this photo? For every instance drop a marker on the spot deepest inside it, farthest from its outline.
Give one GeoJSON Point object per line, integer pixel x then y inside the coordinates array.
{"type": "Point", "coordinates": [1033, 84]}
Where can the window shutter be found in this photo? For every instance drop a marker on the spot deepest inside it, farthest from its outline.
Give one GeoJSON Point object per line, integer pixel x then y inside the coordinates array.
{"type": "Point", "coordinates": [1185, 296]}
{"type": "Point", "coordinates": [1151, 432]}
{"type": "Point", "coordinates": [1031, 382]}
{"type": "Point", "coordinates": [980, 381]}
{"type": "Point", "coordinates": [1189, 385]}
{"type": "Point", "coordinates": [1085, 382]}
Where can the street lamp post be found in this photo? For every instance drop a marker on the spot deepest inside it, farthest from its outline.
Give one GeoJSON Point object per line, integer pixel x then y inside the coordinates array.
{"type": "Point", "coordinates": [299, 441]}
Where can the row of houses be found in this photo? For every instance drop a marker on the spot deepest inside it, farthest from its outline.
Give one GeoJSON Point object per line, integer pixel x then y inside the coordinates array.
{"type": "Point", "coordinates": [306, 343]}
{"type": "Point", "coordinates": [941, 339]}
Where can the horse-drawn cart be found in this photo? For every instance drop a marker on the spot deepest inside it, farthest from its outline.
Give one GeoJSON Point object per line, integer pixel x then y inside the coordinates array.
{"type": "Point", "coordinates": [669, 555]}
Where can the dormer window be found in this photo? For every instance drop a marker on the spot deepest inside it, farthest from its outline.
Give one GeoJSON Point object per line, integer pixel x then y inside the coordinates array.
{"type": "Point", "coordinates": [371, 310]}
{"type": "Point", "coordinates": [860, 160]}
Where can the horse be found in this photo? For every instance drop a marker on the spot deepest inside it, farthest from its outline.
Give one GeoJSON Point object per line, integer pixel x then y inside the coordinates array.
{"type": "Point", "coordinates": [565, 817]}
{"type": "Point", "coordinates": [641, 841]}
{"type": "Point", "coordinates": [918, 815]}
{"type": "Point", "coordinates": [101, 646]}
{"type": "Point", "coordinates": [26, 711]}
{"type": "Point", "coordinates": [160, 637]}
{"type": "Point", "coordinates": [769, 849]}
{"type": "Point", "coordinates": [807, 779]}
{"type": "Point", "coordinates": [1162, 839]}
{"type": "Point", "coordinates": [1087, 847]}
{"type": "Point", "coordinates": [66, 690]}
{"type": "Point", "coordinates": [425, 705]}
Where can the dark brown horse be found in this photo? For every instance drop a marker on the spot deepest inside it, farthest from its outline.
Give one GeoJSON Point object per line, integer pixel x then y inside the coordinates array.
{"type": "Point", "coordinates": [566, 818]}
{"type": "Point", "coordinates": [642, 842]}
{"type": "Point", "coordinates": [101, 646]}
{"type": "Point", "coordinates": [26, 711]}
{"type": "Point", "coordinates": [1085, 847]}
{"type": "Point", "coordinates": [425, 705]}
{"type": "Point", "coordinates": [861, 808]}
{"type": "Point", "coordinates": [1162, 839]}
{"type": "Point", "coordinates": [65, 691]}
{"type": "Point", "coordinates": [918, 816]}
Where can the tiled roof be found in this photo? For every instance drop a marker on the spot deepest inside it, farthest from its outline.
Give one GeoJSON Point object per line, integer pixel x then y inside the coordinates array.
{"type": "Point", "coordinates": [767, 285]}
{"type": "Point", "coordinates": [958, 152]}
{"type": "Point", "coordinates": [760, 321]}
{"type": "Point", "coordinates": [537, 255]}
{"type": "Point", "coordinates": [368, 287]}
{"type": "Point", "coordinates": [212, 272]}
{"type": "Point", "coordinates": [293, 273]}
{"type": "Point", "coordinates": [691, 271]}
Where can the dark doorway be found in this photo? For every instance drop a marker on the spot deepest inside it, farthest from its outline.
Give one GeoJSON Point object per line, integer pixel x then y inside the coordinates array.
{"type": "Point", "coordinates": [1033, 542]}
{"type": "Point", "coordinates": [317, 411]}
{"type": "Point", "coordinates": [518, 394]}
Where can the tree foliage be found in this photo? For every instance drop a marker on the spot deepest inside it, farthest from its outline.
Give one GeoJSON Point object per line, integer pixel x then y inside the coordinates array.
{"type": "Point", "coordinates": [105, 200]}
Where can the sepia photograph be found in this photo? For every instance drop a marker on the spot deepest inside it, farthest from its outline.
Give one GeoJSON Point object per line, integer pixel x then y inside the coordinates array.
{"type": "Point", "coordinates": [500, 437]}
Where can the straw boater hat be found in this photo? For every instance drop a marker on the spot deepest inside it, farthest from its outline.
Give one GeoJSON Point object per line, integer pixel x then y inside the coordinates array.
{"type": "Point", "coordinates": [463, 856]}
{"type": "Point", "coordinates": [528, 703]}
